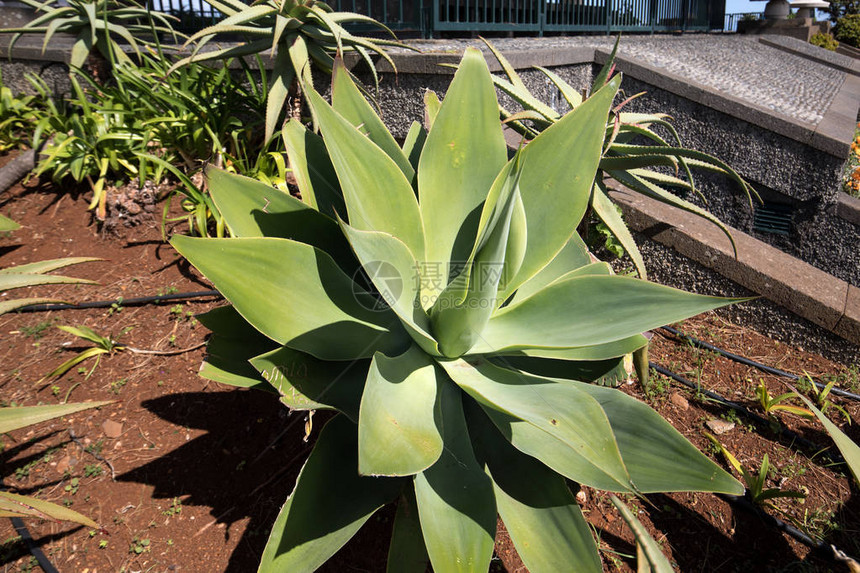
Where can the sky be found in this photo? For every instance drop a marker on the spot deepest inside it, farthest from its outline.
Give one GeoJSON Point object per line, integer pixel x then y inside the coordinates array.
{"type": "Point", "coordinates": [740, 6]}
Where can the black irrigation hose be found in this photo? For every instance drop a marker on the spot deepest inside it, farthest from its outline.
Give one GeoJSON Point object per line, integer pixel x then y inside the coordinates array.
{"type": "Point", "coordinates": [139, 301]}
{"type": "Point", "coordinates": [35, 550]}
{"type": "Point", "coordinates": [791, 435]}
{"type": "Point", "coordinates": [754, 364]}
{"type": "Point", "coordinates": [822, 548]}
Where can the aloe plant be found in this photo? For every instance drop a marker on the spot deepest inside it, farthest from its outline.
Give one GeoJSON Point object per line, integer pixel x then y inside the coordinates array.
{"type": "Point", "coordinates": [95, 24]}
{"type": "Point", "coordinates": [639, 166]}
{"type": "Point", "coordinates": [436, 296]}
{"type": "Point", "coordinates": [299, 33]}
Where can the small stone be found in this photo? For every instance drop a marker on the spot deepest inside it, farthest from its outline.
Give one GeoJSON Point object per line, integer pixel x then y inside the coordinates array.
{"type": "Point", "coordinates": [64, 464]}
{"type": "Point", "coordinates": [581, 498]}
{"type": "Point", "coordinates": [112, 429]}
{"type": "Point", "coordinates": [679, 401]}
{"type": "Point", "coordinates": [719, 426]}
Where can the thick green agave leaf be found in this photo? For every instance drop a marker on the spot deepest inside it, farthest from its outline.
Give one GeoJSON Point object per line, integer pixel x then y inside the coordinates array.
{"type": "Point", "coordinates": [455, 498]}
{"type": "Point", "coordinates": [296, 295]}
{"type": "Point", "coordinates": [413, 145]}
{"type": "Point", "coordinates": [394, 272]}
{"type": "Point", "coordinates": [591, 310]}
{"type": "Point", "coordinates": [572, 256]}
{"type": "Point", "coordinates": [459, 163]}
{"type": "Point", "coordinates": [251, 208]}
{"type": "Point", "coordinates": [604, 372]}
{"type": "Point", "coordinates": [328, 506]}
{"type": "Point", "coordinates": [539, 511]}
{"type": "Point", "coordinates": [378, 196]}
{"type": "Point", "coordinates": [463, 309]}
{"type": "Point", "coordinates": [407, 553]}
{"type": "Point", "coordinates": [306, 383]}
{"type": "Point", "coordinates": [400, 423]}
{"type": "Point", "coordinates": [559, 414]}
{"type": "Point", "coordinates": [588, 353]}
{"type": "Point", "coordinates": [311, 165]}
{"type": "Point", "coordinates": [558, 173]}
{"type": "Point", "coordinates": [657, 456]}
{"type": "Point", "coordinates": [347, 100]}
{"type": "Point", "coordinates": [232, 344]}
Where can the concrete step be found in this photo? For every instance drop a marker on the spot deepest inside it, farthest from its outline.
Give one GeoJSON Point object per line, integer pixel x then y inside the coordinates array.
{"type": "Point", "coordinates": [806, 291]}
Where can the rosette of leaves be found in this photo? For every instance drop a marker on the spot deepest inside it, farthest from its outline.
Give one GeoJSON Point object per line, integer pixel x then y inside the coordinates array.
{"type": "Point", "coordinates": [299, 33]}
{"type": "Point", "coordinates": [436, 297]}
{"type": "Point", "coordinates": [635, 154]}
{"type": "Point", "coordinates": [95, 24]}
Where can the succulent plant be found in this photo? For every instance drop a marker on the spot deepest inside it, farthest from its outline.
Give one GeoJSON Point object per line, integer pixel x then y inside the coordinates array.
{"type": "Point", "coordinates": [436, 297]}
{"type": "Point", "coordinates": [299, 33]}
{"type": "Point", "coordinates": [635, 155]}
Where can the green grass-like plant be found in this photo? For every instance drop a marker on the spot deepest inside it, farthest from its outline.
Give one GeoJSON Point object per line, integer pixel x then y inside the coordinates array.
{"type": "Point", "coordinates": [435, 295]}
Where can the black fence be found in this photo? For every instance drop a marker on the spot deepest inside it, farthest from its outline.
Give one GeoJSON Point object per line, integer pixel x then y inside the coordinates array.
{"type": "Point", "coordinates": [428, 17]}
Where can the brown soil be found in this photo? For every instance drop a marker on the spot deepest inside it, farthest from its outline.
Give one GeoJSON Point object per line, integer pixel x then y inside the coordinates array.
{"type": "Point", "coordinates": [199, 471]}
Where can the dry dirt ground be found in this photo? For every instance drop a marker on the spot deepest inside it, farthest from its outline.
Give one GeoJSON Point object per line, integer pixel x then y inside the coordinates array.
{"type": "Point", "coordinates": [186, 475]}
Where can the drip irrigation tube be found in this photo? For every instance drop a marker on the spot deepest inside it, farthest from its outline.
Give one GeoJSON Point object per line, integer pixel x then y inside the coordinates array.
{"type": "Point", "coordinates": [754, 364]}
{"type": "Point", "coordinates": [34, 549]}
{"type": "Point", "coordinates": [139, 301]}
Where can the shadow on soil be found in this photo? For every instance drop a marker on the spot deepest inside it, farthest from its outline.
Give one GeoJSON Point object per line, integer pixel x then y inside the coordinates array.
{"type": "Point", "coordinates": [245, 466]}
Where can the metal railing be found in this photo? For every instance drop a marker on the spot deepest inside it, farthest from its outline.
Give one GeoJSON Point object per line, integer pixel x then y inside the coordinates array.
{"type": "Point", "coordinates": [427, 17]}
{"type": "Point", "coordinates": [731, 21]}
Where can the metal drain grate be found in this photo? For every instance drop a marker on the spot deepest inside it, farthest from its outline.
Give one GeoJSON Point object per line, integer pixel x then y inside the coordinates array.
{"type": "Point", "coordinates": [773, 218]}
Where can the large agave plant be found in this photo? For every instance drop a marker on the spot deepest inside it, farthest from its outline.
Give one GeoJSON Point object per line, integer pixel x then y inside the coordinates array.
{"type": "Point", "coordinates": [436, 297]}
{"type": "Point", "coordinates": [635, 154]}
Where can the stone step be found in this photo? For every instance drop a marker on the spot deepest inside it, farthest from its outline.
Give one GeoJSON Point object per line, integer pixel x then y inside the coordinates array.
{"type": "Point", "coordinates": [806, 291]}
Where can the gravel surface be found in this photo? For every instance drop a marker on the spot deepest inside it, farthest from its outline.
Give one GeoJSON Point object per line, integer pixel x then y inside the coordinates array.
{"type": "Point", "coordinates": [733, 65]}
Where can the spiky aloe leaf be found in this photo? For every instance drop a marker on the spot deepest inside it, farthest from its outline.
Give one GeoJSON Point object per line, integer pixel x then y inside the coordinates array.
{"type": "Point", "coordinates": [648, 555]}
{"type": "Point", "coordinates": [607, 212]}
{"type": "Point", "coordinates": [20, 417]}
{"type": "Point", "coordinates": [328, 506]}
{"type": "Point", "coordinates": [14, 505]}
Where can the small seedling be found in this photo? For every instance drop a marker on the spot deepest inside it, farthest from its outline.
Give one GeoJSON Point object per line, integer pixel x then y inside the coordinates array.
{"type": "Point", "coordinates": [771, 404]}
{"type": "Point", "coordinates": [103, 345]}
{"type": "Point", "coordinates": [755, 483]}
{"type": "Point", "coordinates": [103, 544]}
{"type": "Point", "coordinates": [821, 394]}
{"type": "Point", "coordinates": [174, 509]}
{"type": "Point", "coordinates": [93, 470]}
{"type": "Point", "coordinates": [117, 385]}
{"type": "Point", "coordinates": [115, 307]}
{"type": "Point", "coordinates": [72, 487]}
{"type": "Point", "coordinates": [138, 546]}
{"type": "Point", "coordinates": [37, 331]}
